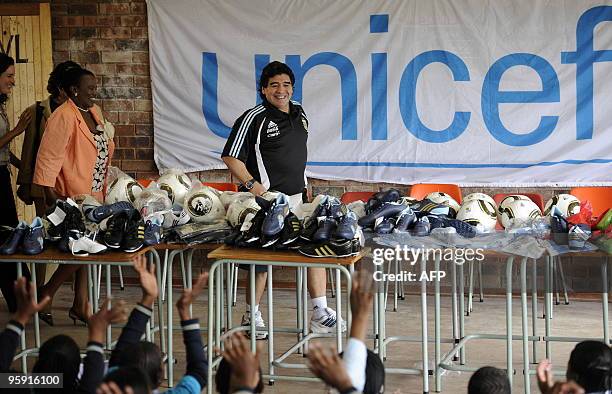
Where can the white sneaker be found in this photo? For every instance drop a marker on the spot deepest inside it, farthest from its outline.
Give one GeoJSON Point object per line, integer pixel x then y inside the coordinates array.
{"type": "Point", "coordinates": [326, 322]}
{"type": "Point", "coordinates": [259, 325]}
{"type": "Point", "coordinates": [173, 219]}
{"type": "Point", "coordinates": [84, 246]}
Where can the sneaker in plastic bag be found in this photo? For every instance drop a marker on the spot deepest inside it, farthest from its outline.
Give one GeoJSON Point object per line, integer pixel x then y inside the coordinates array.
{"type": "Point", "coordinates": [176, 217]}
{"type": "Point", "coordinates": [259, 325]}
{"type": "Point", "coordinates": [388, 209]}
{"type": "Point", "coordinates": [578, 235]}
{"type": "Point", "coordinates": [153, 228]}
{"type": "Point", "coordinates": [325, 323]}
{"type": "Point", "coordinates": [422, 227]}
{"type": "Point", "coordinates": [103, 211]}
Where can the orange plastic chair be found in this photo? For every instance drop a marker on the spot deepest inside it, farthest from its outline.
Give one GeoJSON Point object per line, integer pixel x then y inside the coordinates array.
{"type": "Point", "coordinates": [349, 197]}
{"type": "Point", "coordinates": [600, 198]}
{"type": "Point", "coordinates": [144, 182]}
{"type": "Point", "coordinates": [420, 190]}
{"type": "Point", "coordinates": [221, 186]}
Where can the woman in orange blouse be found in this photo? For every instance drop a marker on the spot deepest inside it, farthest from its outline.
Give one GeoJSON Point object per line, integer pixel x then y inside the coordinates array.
{"type": "Point", "coordinates": [73, 158]}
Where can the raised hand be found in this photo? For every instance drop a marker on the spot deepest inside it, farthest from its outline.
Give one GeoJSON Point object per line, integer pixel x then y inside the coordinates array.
{"type": "Point", "coordinates": [24, 120]}
{"type": "Point", "coordinates": [148, 280]}
{"type": "Point", "coordinates": [26, 301]}
{"type": "Point", "coordinates": [113, 388]}
{"type": "Point", "coordinates": [327, 365]}
{"type": "Point", "coordinates": [189, 295]}
{"type": "Point", "coordinates": [100, 320]}
{"type": "Point", "coordinates": [245, 364]}
{"type": "Point", "coordinates": [545, 376]}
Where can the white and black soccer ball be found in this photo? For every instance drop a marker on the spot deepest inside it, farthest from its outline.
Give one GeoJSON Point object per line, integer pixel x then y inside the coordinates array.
{"type": "Point", "coordinates": [477, 212]}
{"type": "Point", "coordinates": [124, 188]}
{"type": "Point", "coordinates": [203, 205]}
{"type": "Point", "coordinates": [443, 198]}
{"type": "Point", "coordinates": [567, 204]}
{"type": "Point", "coordinates": [479, 196]}
{"type": "Point", "coordinates": [519, 211]}
{"type": "Point", "coordinates": [176, 184]}
{"type": "Point", "coordinates": [240, 209]}
{"type": "Point", "coordinates": [508, 200]}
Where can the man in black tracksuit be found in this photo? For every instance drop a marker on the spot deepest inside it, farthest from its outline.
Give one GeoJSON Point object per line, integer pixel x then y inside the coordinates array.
{"type": "Point", "coordinates": [266, 150]}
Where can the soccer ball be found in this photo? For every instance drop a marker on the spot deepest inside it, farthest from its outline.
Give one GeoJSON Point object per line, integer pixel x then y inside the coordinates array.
{"type": "Point", "coordinates": [479, 196]}
{"type": "Point", "coordinates": [477, 212]}
{"type": "Point", "coordinates": [203, 205]}
{"type": "Point", "coordinates": [568, 204]}
{"type": "Point", "coordinates": [519, 211]}
{"type": "Point", "coordinates": [124, 188]}
{"type": "Point", "coordinates": [238, 211]}
{"type": "Point", "coordinates": [176, 184]}
{"type": "Point", "coordinates": [443, 198]}
{"type": "Point", "coordinates": [509, 199]}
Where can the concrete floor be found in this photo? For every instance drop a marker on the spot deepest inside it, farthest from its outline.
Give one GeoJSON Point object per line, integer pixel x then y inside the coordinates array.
{"type": "Point", "coordinates": [580, 318]}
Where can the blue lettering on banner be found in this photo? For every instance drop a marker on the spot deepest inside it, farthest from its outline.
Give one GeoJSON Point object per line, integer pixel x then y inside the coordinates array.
{"type": "Point", "coordinates": [584, 57]}
{"type": "Point", "coordinates": [491, 96]}
{"type": "Point", "coordinates": [407, 96]}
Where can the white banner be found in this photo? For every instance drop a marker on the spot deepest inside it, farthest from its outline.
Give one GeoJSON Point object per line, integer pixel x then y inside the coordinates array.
{"type": "Point", "coordinates": [396, 91]}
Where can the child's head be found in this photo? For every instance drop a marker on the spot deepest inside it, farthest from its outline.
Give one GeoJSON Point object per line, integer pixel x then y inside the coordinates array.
{"type": "Point", "coordinates": [223, 379]}
{"type": "Point", "coordinates": [133, 377]}
{"type": "Point", "coordinates": [590, 365]}
{"type": "Point", "coordinates": [375, 374]}
{"type": "Point", "coordinates": [489, 380]}
{"type": "Point", "coordinates": [59, 354]}
{"type": "Point", "coordinates": [147, 357]}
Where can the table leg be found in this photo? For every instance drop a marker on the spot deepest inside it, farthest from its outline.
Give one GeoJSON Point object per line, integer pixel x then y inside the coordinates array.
{"type": "Point", "coordinates": [454, 305]}
{"type": "Point", "coordinates": [461, 314]}
{"type": "Point", "coordinates": [534, 309]}
{"type": "Point", "coordinates": [252, 306]}
{"type": "Point", "coordinates": [509, 367]}
{"type": "Point", "coordinates": [338, 311]}
{"type": "Point", "coordinates": [36, 321]}
{"type": "Point", "coordinates": [437, 351]}
{"type": "Point", "coordinates": [211, 306]}
{"type": "Point", "coordinates": [24, 362]}
{"type": "Point", "coordinates": [470, 287]}
{"type": "Point", "coordinates": [270, 326]}
{"type": "Point", "coordinates": [547, 306]}
{"type": "Point", "coordinates": [524, 321]}
{"type": "Point", "coordinates": [108, 297]}
{"type": "Point", "coordinates": [424, 337]}
{"type": "Point", "coordinates": [300, 315]}
{"type": "Point", "coordinates": [604, 299]}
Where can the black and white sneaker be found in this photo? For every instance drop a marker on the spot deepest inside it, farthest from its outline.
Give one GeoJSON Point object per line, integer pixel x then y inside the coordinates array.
{"type": "Point", "coordinates": [115, 230]}
{"type": "Point", "coordinates": [291, 229]}
{"type": "Point", "coordinates": [326, 322]}
{"type": "Point", "coordinates": [259, 325]}
{"type": "Point", "coordinates": [346, 248]}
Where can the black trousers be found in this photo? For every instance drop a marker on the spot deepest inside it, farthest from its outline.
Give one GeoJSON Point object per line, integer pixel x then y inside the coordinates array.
{"type": "Point", "coordinates": [8, 217]}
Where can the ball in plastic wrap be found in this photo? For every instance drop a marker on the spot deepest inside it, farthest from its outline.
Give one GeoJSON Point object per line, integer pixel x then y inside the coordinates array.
{"type": "Point", "coordinates": [480, 196]}
{"type": "Point", "coordinates": [203, 205]}
{"type": "Point", "coordinates": [477, 212]}
{"type": "Point", "coordinates": [519, 212]}
{"type": "Point", "coordinates": [176, 184]}
{"type": "Point", "coordinates": [567, 204]}
{"type": "Point", "coordinates": [124, 188]}
{"type": "Point", "coordinates": [508, 200]}
{"type": "Point", "coordinates": [443, 198]}
{"type": "Point", "coordinates": [238, 211]}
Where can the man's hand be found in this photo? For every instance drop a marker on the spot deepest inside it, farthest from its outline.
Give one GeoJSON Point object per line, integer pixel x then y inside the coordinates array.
{"type": "Point", "coordinates": [26, 302]}
{"type": "Point", "coordinates": [148, 280]}
{"type": "Point", "coordinates": [189, 295]}
{"type": "Point", "coordinates": [361, 303]}
{"type": "Point", "coordinates": [327, 365]}
{"type": "Point", "coordinates": [545, 377]}
{"type": "Point", "coordinates": [245, 364]}
{"type": "Point", "coordinates": [98, 322]}
{"type": "Point", "coordinates": [258, 189]}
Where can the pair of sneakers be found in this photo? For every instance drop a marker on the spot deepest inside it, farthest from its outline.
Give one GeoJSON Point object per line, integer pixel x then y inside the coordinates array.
{"type": "Point", "coordinates": [27, 238]}
{"type": "Point", "coordinates": [322, 321]}
{"type": "Point", "coordinates": [125, 231]}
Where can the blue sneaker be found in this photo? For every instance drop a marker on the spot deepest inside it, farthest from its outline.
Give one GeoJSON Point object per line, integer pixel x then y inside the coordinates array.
{"type": "Point", "coordinates": [422, 227]}
{"type": "Point", "coordinates": [153, 228]}
{"type": "Point", "coordinates": [379, 199]}
{"type": "Point", "coordinates": [326, 228]}
{"type": "Point", "coordinates": [33, 240]}
{"type": "Point", "coordinates": [384, 225]}
{"type": "Point", "coordinates": [100, 213]}
{"type": "Point", "coordinates": [347, 228]}
{"type": "Point", "coordinates": [311, 224]}
{"type": "Point", "coordinates": [275, 218]}
{"type": "Point", "coordinates": [11, 244]}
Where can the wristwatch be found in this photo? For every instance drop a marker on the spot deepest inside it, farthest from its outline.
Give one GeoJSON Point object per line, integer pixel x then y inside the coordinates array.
{"type": "Point", "coordinates": [249, 184]}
